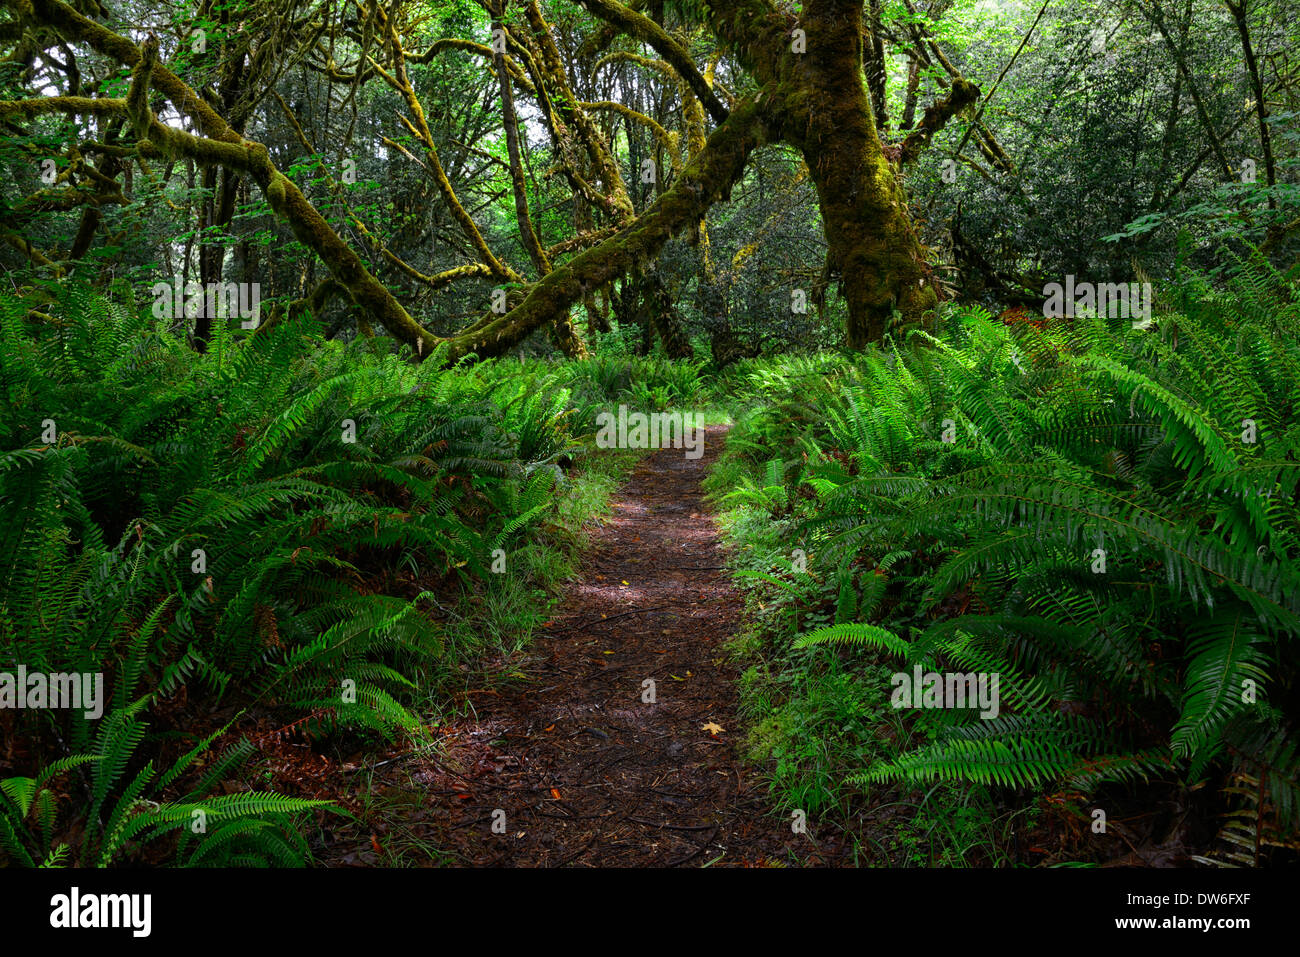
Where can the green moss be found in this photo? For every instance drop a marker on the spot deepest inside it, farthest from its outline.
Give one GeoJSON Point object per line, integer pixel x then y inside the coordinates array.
{"type": "Point", "coordinates": [275, 191]}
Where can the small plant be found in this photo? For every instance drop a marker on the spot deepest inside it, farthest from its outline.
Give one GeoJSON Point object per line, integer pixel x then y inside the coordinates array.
{"type": "Point", "coordinates": [126, 810]}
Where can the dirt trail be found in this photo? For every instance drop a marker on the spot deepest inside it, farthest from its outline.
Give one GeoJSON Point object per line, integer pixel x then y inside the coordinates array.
{"type": "Point", "coordinates": [586, 772]}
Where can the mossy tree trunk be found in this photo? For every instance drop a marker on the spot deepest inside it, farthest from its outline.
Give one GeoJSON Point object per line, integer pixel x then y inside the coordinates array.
{"type": "Point", "coordinates": [827, 115]}
{"type": "Point", "coordinates": [873, 246]}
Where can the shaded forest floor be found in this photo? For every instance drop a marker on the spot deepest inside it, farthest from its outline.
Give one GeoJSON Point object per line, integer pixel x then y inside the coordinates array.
{"type": "Point", "coordinates": [586, 770]}
{"type": "Point", "coordinates": [562, 761]}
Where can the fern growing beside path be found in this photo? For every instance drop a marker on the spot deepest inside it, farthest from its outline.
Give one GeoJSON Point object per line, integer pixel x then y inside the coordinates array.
{"type": "Point", "coordinates": [276, 525]}
{"type": "Point", "coordinates": [1105, 519]}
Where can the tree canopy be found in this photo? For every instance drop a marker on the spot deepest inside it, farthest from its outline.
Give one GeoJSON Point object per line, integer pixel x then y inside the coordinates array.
{"type": "Point", "coordinates": [467, 174]}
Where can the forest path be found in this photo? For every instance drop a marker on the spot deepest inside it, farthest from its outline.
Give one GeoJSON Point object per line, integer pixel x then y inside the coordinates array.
{"type": "Point", "coordinates": [588, 773]}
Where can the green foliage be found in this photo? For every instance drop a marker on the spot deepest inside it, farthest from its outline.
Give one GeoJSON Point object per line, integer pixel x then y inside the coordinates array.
{"type": "Point", "coordinates": [214, 830]}
{"type": "Point", "coordinates": [1104, 518]}
{"type": "Point", "coordinates": [273, 524]}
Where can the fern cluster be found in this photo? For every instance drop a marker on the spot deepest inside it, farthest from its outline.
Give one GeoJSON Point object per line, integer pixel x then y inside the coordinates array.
{"type": "Point", "coordinates": [1104, 517]}
{"type": "Point", "coordinates": [267, 525]}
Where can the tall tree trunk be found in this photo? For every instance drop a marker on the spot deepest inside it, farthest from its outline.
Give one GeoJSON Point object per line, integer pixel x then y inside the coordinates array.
{"type": "Point", "coordinates": [874, 54]}
{"type": "Point", "coordinates": [666, 320]}
{"type": "Point", "coordinates": [909, 101]}
{"type": "Point", "coordinates": [1238, 11]}
{"type": "Point", "coordinates": [820, 101]}
{"type": "Point", "coordinates": [872, 243]}
{"type": "Point", "coordinates": [218, 211]}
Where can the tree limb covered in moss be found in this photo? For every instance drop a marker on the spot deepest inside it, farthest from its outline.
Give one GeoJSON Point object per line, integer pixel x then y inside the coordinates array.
{"type": "Point", "coordinates": [707, 179]}
{"type": "Point", "coordinates": [643, 28]}
{"type": "Point", "coordinates": [962, 96]}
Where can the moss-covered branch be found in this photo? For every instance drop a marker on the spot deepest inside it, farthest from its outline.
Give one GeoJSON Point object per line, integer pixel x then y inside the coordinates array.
{"type": "Point", "coordinates": [71, 105]}
{"type": "Point", "coordinates": [567, 107]}
{"type": "Point", "coordinates": [962, 96]}
{"type": "Point", "coordinates": [518, 183]}
{"type": "Point", "coordinates": [219, 144]}
{"type": "Point", "coordinates": [707, 179]}
{"type": "Point", "coordinates": [667, 139]}
{"type": "Point", "coordinates": [400, 81]}
{"type": "Point", "coordinates": [660, 67]}
{"type": "Point", "coordinates": [517, 74]}
{"type": "Point", "coordinates": [436, 281]}
{"type": "Point", "coordinates": [642, 28]}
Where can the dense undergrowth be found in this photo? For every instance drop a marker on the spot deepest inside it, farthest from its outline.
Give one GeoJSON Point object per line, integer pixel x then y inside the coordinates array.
{"type": "Point", "coordinates": [327, 535]}
{"type": "Point", "coordinates": [288, 530]}
{"type": "Point", "coordinates": [1104, 518]}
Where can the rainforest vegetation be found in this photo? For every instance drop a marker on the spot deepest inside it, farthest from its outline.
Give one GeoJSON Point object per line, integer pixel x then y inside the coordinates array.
{"type": "Point", "coordinates": [332, 532]}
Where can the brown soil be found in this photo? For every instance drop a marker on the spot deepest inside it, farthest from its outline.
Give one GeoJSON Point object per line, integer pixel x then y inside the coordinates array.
{"type": "Point", "coordinates": [586, 772]}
